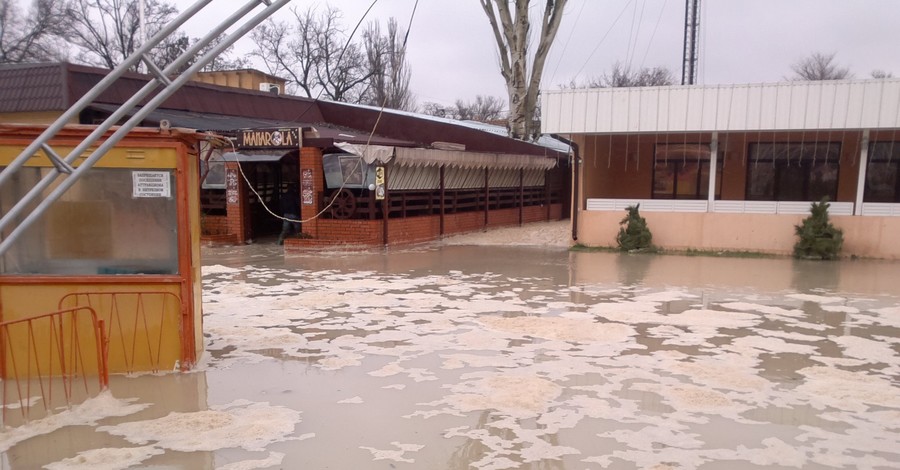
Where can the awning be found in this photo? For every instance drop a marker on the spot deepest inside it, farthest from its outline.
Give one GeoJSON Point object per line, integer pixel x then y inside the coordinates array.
{"type": "Point", "coordinates": [420, 157]}
{"type": "Point", "coordinates": [429, 157]}
{"type": "Point", "coordinates": [252, 157]}
{"type": "Point", "coordinates": [369, 153]}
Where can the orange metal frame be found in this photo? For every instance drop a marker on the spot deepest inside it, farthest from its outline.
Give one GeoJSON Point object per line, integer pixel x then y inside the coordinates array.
{"type": "Point", "coordinates": [68, 352]}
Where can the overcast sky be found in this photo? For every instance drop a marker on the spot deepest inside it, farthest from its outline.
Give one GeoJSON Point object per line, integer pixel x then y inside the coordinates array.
{"type": "Point", "coordinates": [452, 51]}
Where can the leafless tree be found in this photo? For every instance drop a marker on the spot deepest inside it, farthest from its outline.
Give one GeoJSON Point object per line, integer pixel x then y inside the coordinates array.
{"type": "Point", "coordinates": [511, 31]}
{"type": "Point", "coordinates": [819, 66]}
{"type": "Point", "coordinates": [107, 31]}
{"type": "Point", "coordinates": [483, 109]}
{"type": "Point", "coordinates": [311, 52]}
{"type": "Point", "coordinates": [386, 57]}
{"type": "Point", "coordinates": [878, 73]}
{"type": "Point", "coordinates": [621, 76]}
{"type": "Point", "coordinates": [32, 37]}
{"type": "Point", "coordinates": [175, 45]}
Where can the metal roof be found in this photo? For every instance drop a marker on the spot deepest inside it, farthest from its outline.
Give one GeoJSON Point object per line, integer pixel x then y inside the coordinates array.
{"type": "Point", "coordinates": [32, 87]}
{"type": "Point", "coordinates": [835, 105]}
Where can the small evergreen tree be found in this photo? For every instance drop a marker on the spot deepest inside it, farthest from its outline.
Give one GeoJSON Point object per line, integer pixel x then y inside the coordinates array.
{"type": "Point", "coordinates": [633, 232]}
{"type": "Point", "coordinates": [818, 238]}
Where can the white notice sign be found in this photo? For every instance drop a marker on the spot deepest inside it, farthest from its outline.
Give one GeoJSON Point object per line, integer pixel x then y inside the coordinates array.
{"type": "Point", "coordinates": [151, 184]}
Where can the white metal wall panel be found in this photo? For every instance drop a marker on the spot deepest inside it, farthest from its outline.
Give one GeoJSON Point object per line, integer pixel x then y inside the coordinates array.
{"type": "Point", "coordinates": [844, 104]}
{"type": "Point", "coordinates": [883, 209]}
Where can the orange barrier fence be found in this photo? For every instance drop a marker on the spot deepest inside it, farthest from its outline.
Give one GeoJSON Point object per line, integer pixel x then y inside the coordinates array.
{"type": "Point", "coordinates": [45, 362]}
{"type": "Point", "coordinates": [143, 328]}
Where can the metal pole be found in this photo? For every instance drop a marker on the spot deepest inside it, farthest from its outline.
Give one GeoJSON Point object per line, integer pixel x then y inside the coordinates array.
{"type": "Point", "coordinates": [117, 115]}
{"type": "Point", "coordinates": [861, 176]}
{"type": "Point", "coordinates": [137, 118]}
{"type": "Point", "coordinates": [106, 82]}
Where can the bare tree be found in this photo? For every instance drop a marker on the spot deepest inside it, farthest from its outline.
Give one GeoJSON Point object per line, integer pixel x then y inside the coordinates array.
{"type": "Point", "coordinates": [511, 30]}
{"type": "Point", "coordinates": [483, 109]}
{"type": "Point", "coordinates": [386, 56]}
{"type": "Point", "coordinates": [621, 76]}
{"type": "Point", "coordinates": [34, 37]}
{"type": "Point", "coordinates": [819, 66]}
{"type": "Point", "coordinates": [311, 52]}
{"type": "Point", "coordinates": [107, 31]}
{"type": "Point", "coordinates": [175, 45]}
{"type": "Point", "coordinates": [878, 73]}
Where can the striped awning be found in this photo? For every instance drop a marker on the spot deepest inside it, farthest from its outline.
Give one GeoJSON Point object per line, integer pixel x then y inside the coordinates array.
{"type": "Point", "coordinates": [419, 157]}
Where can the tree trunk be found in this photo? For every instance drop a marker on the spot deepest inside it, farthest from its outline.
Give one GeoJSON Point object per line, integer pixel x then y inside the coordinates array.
{"type": "Point", "coordinates": [511, 36]}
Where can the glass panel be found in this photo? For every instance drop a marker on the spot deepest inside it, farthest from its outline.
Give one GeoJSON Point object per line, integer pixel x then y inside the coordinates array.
{"type": "Point", "coordinates": [823, 179]}
{"type": "Point", "coordinates": [686, 185]}
{"type": "Point", "coordinates": [664, 180]}
{"type": "Point", "coordinates": [881, 182]}
{"type": "Point", "coordinates": [109, 222]}
{"type": "Point", "coordinates": [793, 171]}
{"type": "Point", "coordinates": [790, 182]}
{"type": "Point", "coordinates": [351, 169]}
{"type": "Point", "coordinates": [761, 184]}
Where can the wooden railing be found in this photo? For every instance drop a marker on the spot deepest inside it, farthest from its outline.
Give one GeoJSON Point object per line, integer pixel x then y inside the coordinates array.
{"type": "Point", "coordinates": [419, 203]}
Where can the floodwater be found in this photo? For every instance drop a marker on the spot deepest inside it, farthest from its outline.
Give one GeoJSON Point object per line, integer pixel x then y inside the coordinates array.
{"type": "Point", "coordinates": [450, 356]}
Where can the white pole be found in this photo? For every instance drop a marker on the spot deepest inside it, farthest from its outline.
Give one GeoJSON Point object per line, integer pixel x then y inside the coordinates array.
{"type": "Point", "coordinates": [863, 169]}
{"type": "Point", "coordinates": [142, 21]}
{"type": "Point", "coordinates": [713, 162]}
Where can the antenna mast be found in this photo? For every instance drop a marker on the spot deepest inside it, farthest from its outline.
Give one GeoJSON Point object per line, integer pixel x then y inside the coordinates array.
{"type": "Point", "coordinates": [691, 30]}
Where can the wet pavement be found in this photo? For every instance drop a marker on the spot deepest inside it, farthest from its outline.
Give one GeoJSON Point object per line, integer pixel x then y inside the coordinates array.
{"type": "Point", "coordinates": [443, 356]}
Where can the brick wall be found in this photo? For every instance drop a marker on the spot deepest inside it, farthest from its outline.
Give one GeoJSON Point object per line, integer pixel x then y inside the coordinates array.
{"type": "Point", "coordinates": [346, 233]}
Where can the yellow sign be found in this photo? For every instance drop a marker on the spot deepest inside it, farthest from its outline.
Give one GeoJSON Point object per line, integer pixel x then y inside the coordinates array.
{"type": "Point", "coordinates": [379, 183]}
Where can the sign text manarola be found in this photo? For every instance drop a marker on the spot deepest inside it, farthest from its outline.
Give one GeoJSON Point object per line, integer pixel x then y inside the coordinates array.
{"type": "Point", "coordinates": [269, 138]}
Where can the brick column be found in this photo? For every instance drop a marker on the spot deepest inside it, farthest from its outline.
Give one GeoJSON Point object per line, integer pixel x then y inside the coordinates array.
{"type": "Point", "coordinates": [237, 222]}
{"type": "Point", "coordinates": [311, 161]}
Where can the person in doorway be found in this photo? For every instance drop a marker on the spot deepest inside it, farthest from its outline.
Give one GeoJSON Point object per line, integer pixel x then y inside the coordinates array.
{"type": "Point", "coordinates": [290, 211]}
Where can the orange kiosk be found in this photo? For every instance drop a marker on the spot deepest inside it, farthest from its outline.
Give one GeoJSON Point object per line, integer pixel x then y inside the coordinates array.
{"type": "Point", "coordinates": [123, 244]}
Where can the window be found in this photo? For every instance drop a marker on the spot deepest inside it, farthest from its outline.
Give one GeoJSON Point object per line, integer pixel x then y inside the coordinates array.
{"type": "Point", "coordinates": [793, 171]}
{"type": "Point", "coordinates": [682, 172]}
{"type": "Point", "coordinates": [111, 221]}
{"type": "Point", "coordinates": [883, 173]}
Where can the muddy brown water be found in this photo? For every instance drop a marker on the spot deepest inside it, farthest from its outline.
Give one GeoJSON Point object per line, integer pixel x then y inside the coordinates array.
{"type": "Point", "coordinates": [455, 357]}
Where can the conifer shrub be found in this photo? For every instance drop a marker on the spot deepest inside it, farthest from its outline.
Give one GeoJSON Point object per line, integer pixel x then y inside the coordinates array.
{"type": "Point", "coordinates": [634, 235]}
{"type": "Point", "coordinates": [817, 237]}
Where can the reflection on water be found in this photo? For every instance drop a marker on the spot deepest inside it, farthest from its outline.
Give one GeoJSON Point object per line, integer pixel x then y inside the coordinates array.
{"type": "Point", "coordinates": [456, 357]}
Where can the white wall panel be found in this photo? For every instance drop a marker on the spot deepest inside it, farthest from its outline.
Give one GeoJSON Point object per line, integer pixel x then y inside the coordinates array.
{"type": "Point", "coordinates": [845, 104]}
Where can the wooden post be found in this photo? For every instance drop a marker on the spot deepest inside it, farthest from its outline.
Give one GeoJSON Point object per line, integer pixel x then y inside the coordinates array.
{"type": "Point", "coordinates": [443, 192]}
{"type": "Point", "coordinates": [487, 196]}
{"type": "Point", "coordinates": [386, 209]}
{"type": "Point", "coordinates": [521, 197]}
{"type": "Point", "coordinates": [547, 198]}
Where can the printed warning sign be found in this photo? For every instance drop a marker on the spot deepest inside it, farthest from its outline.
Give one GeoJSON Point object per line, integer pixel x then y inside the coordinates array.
{"type": "Point", "coordinates": [151, 184]}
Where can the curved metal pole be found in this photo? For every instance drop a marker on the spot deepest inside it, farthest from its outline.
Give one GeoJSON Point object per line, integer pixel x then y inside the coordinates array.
{"type": "Point", "coordinates": [136, 119]}
{"type": "Point", "coordinates": [119, 114]}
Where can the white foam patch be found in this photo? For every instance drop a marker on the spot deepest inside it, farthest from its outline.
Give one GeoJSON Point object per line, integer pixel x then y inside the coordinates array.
{"type": "Point", "coordinates": [396, 455]}
{"type": "Point", "coordinates": [562, 329]}
{"type": "Point", "coordinates": [274, 458]}
{"type": "Point", "coordinates": [107, 459]}
{"type": "Point", "coordinates": [218, 269]}
{"type": "Point", "coordinates": [241, 424]}
{"type": "Point", "coordinates": [819, 299]}
{"type": "Point", "coordinates": [845, 390]}
{"type": "Point", "coordinates": [865, 349]}
{"type": "Point", "coordinates": [87, 413]}
{"type": "Point", "coordinates": [353, 401]}
{"type": "Point", "coordinates": [517, 396]}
